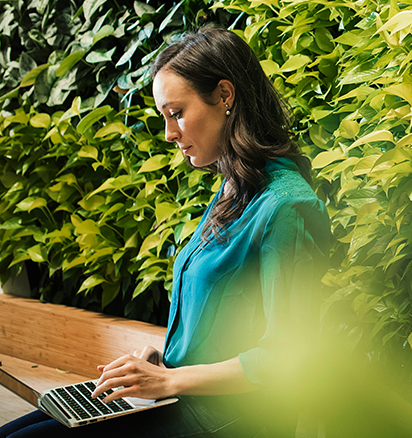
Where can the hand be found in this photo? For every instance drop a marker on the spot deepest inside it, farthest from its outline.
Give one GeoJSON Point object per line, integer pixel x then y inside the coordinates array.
{"type": "Point", "coordinates": [150, 354]}
{"type": "Point", "coordinates": [140, 376]}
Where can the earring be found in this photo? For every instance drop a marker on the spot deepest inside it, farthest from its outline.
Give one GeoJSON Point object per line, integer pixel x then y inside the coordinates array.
{"type": "Point", "coordinates": [227, 110]}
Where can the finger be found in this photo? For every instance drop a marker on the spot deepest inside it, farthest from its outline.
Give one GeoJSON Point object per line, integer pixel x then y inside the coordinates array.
{"type": "Point", "coordinates": [121, 392]}
{"type": "Point", "coordinates": [112, 374]}
{"type": "Point", "coordinates": [110, 384]}
{"type": "Point", "coordinates": [116, 363]}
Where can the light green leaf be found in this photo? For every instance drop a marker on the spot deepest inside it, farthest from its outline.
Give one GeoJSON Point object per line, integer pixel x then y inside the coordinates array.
{"type": "Point", "coordinates": [30, 78]}
{"type": "Point", "coordinates": [132, 241]}
{"type": "Point", "coordinates": [398, 22]}
{"type": "Point", "coordinates": [269, 67]}
{"type": "Point", "coordinates": [87, 227]}
{"type": "Point", "coordinates": [349, 128]}
{"type": "Point", "coordinates": [91, 282]}
{"type": "Point", "coordinates": [188, 228]}
{"type": "Point", "coordinates": [37, 253]}
{"type": "Point", "coordinates": [295, 62]}
{"type": "Point", "coordinates": [195, 177]}
{"type": "Point", "coordinates": [324, 158]}
{"type": "Point", "coordinates": [40, 121]}
{"type": "Point", "coordinates": [38, 203]}
{"type": "Point", "coordinates": [69, 62]}
{"type": "Point", "coordinates": [154, 163]}
{"type": "Point", "coordinates": [92, 203]}
{"type": "Point", "coordinates": [92, 118]}
{"type": "Point", "coordinates": [164, 211]}
{"type": "Point", "coordinates": [88, 152]}
{"type": "Point", "coordinates": [78, 261]}
{"type": "Point", "coordinates": [149, 243]}
{"type": "Point", "coordinates": [403, 90]}
{"type": "Point", "coordinates": [113, 128]}
{"type": "Point", "coordinates": [129, 53]}
{"type": "Point", "coordinates": [382, 135]}
{"type": "Point", "coordinates": [104, 32]}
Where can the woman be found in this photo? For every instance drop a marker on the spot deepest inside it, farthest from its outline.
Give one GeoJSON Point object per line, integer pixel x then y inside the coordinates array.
{"type": "Point", "coordinates": [244, 299]}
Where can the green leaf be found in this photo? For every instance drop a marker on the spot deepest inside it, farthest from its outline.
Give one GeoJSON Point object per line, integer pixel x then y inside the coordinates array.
{"type": "Point", "coordinates": [398, 22]}
{"type": "Point", "coordinates": [37, 253]}
{"type": "Point", "coordinates": [189, 228]}
{"type": "Point", "coordinates": [129, 53]}
{"type": "Point", "coordinates": [92, 203]}
{"type": "Point", "coordinates": [91, 6]}
{"type": "Point", "coordinates": [170, 16]}
{"type": "Point", "coordinates": [110, 292]}
{"type": "Point", "coordinates": [295, 62]}
{"type": "Point", "coordinates": [38, 203]}
{"type": "Point", "coordinates": [69, 62]}
{"type": "Point", "coordinates": [100, 56]}
{"type": "Point", "coordinates": [269, 67]}
{"type": "Point", "coordinates": [382, 135]}
{"type": "Point", "coordinates": [90, 119]}
{"type": "Point", "coordinates": [402, 90]}
{"type": "Point", "coordinates": [40, 121]}
{"type": "Point", "coordinates": [324, 158]}
{"type": "Point", "coordinates": [104, 32]}
{"type": "Point", "coordinates": [91, 282]}
{"type": "Point", "coordinates": [165, 211]}
{"type": "Point", "coordinates": [149, 243]}
{"type": "Point", "coordinates": [30, 78]}
{"type": "Point", "coordinates": [87, 227]}
{"type": "Point", "coordinates": [113, 128]}
{"type": "Point", "coordinates": [78, 261]}
{"type": "Point", "coordinates": [154, 163]}
{"type": "Point", "coordinates": [88, 152]}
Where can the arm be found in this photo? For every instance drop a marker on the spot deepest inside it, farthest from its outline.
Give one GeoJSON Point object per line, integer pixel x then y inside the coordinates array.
{"type": "Point", "coordinates": [144, 379]}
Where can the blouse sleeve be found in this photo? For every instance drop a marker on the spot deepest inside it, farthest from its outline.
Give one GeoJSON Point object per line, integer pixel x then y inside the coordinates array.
{"type": "Point", "coordinates": [293, 258]}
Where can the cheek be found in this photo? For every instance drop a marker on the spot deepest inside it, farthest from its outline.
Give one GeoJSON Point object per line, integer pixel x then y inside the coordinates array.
{"type": "Point", "coordinates": [182, 124]}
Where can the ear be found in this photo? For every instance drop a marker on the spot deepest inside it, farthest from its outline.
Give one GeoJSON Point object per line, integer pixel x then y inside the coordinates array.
{"type": "Point", "coordinates": [227, 92]}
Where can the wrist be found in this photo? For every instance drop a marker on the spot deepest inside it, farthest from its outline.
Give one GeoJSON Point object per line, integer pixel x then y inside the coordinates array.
{"type": "Point", "coordinates": [174, 382]}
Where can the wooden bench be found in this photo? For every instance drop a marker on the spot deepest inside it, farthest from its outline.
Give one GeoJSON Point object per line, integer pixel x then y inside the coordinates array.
{"type": "Point", "coordinates": [47, 344]}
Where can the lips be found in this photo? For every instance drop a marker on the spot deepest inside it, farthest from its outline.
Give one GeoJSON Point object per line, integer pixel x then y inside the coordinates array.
{"type": "Point", "coordinates": [185, 149]}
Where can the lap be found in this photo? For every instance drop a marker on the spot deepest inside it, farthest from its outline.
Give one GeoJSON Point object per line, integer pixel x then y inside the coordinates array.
{"type": "Point", "coordinates": [180, 420]}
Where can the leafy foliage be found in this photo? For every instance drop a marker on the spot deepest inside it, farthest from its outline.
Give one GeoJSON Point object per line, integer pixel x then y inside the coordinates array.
{"type": "Point", "coordinates": [98, 202]}
{"type": "Point", "coordinates": [53, 51]}
{"type": "Point", "coordinates": [120, 202]}
{"type": "Point", "coordinates": [102, 204]}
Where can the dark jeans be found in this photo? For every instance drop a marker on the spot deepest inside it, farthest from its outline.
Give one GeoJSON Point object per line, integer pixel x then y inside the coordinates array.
{"type": "Point", "coordinates": [182, 419]}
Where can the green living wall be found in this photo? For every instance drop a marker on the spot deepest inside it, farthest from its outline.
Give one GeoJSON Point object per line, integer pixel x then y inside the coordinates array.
{"type": "Point", "coordinates": [93, 195]}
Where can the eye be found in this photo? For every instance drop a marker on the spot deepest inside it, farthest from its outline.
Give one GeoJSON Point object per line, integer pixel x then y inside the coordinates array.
{"type": "Point", "coordinates": [176, 115]}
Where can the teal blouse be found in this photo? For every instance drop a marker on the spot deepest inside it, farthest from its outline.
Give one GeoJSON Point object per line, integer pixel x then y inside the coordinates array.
{"type": "Point", "coordinates": [239, 297]}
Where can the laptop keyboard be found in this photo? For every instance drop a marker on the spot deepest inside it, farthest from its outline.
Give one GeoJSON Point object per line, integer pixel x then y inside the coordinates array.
{"type": "Point", "coordinates": [78, 399]}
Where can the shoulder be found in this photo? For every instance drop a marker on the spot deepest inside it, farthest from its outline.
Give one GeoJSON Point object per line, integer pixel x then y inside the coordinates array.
{"type": "Point", "coordinates": [291, 205]}
{"type": "Point", "coordinates": [286, 186]}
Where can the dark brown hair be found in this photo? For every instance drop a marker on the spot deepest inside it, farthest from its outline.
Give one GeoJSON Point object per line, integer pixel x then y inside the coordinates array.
{"type": "Point", "coordinates": [258, 128]}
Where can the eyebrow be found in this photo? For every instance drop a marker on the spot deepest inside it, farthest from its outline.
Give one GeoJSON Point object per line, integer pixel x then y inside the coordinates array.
{"type": "Point", "coordinates": [167, 104]}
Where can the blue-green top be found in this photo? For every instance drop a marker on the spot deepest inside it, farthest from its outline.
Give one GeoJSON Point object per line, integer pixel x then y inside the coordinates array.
{"type": "Point", "coordinates": [239, 297]}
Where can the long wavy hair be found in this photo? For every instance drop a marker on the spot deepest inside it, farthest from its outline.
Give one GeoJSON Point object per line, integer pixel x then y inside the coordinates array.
{"type": "Point", "coordinates": [258, 128]}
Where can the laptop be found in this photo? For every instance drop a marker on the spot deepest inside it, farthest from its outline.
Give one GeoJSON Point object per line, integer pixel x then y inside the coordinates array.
{"type": "Point", "coordinates": [73, 406]}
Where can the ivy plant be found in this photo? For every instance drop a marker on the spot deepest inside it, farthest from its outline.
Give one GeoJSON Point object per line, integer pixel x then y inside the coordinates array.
{"type": "Point", "coordinates": [96, 202]}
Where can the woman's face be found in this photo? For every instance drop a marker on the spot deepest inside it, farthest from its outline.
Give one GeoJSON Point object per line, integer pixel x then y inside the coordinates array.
{"type": "Point", "coordinates": [194, 125]}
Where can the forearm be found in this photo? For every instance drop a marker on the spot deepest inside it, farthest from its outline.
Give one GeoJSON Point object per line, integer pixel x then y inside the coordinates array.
{"type": "Point", "coordinates": [211, 379]}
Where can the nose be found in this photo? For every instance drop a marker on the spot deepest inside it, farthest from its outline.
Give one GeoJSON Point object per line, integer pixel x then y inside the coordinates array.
{"type": "Point", "coordinates": [172, 133]}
